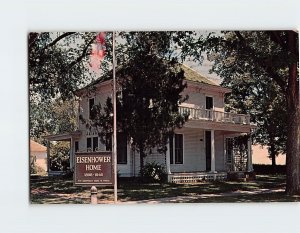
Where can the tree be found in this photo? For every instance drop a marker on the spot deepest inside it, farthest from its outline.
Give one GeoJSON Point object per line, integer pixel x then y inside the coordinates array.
{"type": "Point", "coordinates": [256, 94]}
{"type": "Point", "coordinates": [151, 92]}
{"type": "Point", "coordinates": [151, 86]}
{"type": "Point", "coordinates": [147, 107]}
{"type": "Point", "coordinates": [52, 117]}
{"type": "Point", "coordinates": [269, 55]}
{"type": "Point", "coordinates": [58, 63]}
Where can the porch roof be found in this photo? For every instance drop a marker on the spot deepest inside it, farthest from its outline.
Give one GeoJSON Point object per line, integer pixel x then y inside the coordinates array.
{"type": "Point", "coordinates": [223, 126]}
{"type": "Point", "coordinates": [64, 136]}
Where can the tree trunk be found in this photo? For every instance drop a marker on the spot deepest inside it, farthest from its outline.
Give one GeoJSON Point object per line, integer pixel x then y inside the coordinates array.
{"type": "Point", "coordinates": [293, 137]}
{"type": "Point", "coordinates": [273, 157]}
{"type": "Point", "coordinates": [292, 156]}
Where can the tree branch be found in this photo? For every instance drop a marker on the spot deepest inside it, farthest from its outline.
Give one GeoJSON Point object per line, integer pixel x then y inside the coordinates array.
{"type": "Point", "coordinates": [240, 37]}
{"type": "Point", "coordinates": [276, 38]}
{"type": "Point", "coordinates": [263, 63]}
{"type": "Point", "coordinates": [32, 38]}
{"type": "Point", "coordinates": [83, 54]}
{"type": "Point", "coordinates": [58, 39]}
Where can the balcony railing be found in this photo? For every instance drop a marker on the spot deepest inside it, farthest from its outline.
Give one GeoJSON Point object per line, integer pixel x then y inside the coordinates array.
{"type": "Point", "coordinates": [211, 115]}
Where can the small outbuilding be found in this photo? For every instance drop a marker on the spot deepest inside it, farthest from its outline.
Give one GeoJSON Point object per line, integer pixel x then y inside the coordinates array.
{"type": "Point", "coordinates": [38, 155]}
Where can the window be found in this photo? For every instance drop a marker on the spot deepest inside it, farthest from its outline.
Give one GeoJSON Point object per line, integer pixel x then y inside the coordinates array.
{"type": "Point", "coordinates": [209, 102]}
{"type": "Point", "coordinates": [95, 143]}
{"type": "Point", "coordinates": [108, 142]}
{"type": "Point", "coordinates": [176, 144]}
{"type": "Point", "coordinates": [89, 144]}
{"type": "Point", "coordinates": [229, 150]}
{"type": "Point", "coordinates": [76, 146]}
{"type": "Point", "coordinates": [178, 149]}
{"type": "Point", "coordinates": [121, 148]}
{"type": "Point", "coordinates": [92, 144]}
{"type": "Point", "coordinates": [91, 105]}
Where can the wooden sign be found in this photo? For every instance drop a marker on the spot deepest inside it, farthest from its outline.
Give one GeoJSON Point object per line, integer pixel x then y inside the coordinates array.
{"type": "Point", "coordinates": [93, 168]}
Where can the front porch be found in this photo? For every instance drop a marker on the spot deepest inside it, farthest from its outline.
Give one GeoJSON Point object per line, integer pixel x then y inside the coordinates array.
{"type": "Point", "coordinates": [207, 155]}
{"type": "Point", "coordinates": [67, 137]}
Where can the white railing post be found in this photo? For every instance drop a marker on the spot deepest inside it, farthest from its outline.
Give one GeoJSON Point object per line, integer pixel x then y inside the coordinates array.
{"type": "Point", "coordinates": [212, 115]}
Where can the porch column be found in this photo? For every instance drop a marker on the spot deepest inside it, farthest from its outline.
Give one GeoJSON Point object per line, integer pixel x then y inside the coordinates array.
{"type": "Point", "coordinates": [168, 159]}
{"type": "Point", "coordinates": [249, 158]}
{"type": "Point", "coordinates": [71, 154]}
{"type": "Point", "coordinates": [213, 158]}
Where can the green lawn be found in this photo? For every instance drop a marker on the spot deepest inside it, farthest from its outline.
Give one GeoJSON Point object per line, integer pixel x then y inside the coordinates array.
{"type": "Point", "coordinates": [58, 190]}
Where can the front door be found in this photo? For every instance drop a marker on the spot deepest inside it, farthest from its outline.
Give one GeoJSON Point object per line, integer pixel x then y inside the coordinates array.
{"type": "Point", "coordinates": [208, 150]}
{"type": "Point", "coordinates": [209, 105]}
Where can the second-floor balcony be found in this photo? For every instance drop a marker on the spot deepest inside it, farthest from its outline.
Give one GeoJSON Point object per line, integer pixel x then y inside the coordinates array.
{"type": "Point", "coordinates": [216, 116]}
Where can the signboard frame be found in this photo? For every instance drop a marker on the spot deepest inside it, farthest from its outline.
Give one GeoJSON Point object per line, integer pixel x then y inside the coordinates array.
{"type": "Point", "coordinates": [94, 154]}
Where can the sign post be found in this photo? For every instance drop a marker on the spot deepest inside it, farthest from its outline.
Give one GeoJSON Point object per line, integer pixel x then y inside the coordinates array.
{"type": "Point", "coordinates": [115, 123]}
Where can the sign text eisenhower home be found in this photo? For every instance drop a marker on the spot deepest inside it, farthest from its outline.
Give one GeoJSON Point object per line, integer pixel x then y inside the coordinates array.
{"type": "Point", "coordinates": [93, 168]}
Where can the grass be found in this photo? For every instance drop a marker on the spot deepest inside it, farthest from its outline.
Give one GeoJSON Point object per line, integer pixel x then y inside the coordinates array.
{"type": "Point", "coordinates": [56, 190]}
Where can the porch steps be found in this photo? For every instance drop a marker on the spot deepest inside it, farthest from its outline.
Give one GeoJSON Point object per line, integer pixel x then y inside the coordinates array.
{"type": "Point", "coordinates": [181, 178]}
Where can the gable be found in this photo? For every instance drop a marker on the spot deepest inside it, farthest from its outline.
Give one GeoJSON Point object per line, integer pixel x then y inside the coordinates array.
{"type": "Point", "coordinates": [36, 147]}
{"type": "Point", "coordinates": [192, 75]}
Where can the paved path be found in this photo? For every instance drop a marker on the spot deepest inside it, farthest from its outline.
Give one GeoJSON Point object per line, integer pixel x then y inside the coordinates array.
{"type": "Point", "coordinates": [186, 199]}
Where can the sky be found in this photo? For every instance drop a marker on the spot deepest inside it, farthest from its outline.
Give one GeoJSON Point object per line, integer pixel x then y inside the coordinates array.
{"type": "Point", "coordinates": [203, 69]}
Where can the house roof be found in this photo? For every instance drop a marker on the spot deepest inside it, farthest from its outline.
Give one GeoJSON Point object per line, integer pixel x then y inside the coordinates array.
{"type": "Point", "coordinates": [36, 147]}
{"type": "Point", "coordinates": [64, 136]}
{"type": "Point", "coordinates": [189, 75]}
{"type": "Point", "coordinates": [192, 75]}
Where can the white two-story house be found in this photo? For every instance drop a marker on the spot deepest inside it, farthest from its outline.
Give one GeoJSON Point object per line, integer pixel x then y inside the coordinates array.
{"type": "Point", "coordinates": [202, 149]}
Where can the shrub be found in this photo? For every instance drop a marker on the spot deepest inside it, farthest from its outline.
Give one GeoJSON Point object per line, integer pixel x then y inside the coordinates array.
{"type": "Point", "coordinates": [60, 157]}
{"type": "Point", "coordinates": [268, 169]}
{"type": "Point", "coordinates": [153, 173]}
{"type": "Point", "coordinates": [68, 173]}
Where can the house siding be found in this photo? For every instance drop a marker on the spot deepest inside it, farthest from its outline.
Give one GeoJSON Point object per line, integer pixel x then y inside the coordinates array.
{"type": "Point", "coordinates": [40, 159]}
{"type": "Point", "coordinates": [124, 170]}
{"type": "Point", "coordinates": [194, 156]}
{"type": "Point", "coordinates": [193, 151]}
{"type": "Point", "coordinates": [197, 98]}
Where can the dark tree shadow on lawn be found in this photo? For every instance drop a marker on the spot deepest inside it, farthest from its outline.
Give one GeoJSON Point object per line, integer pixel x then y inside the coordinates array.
{"type": "Point", "coordinates": [61, 190]}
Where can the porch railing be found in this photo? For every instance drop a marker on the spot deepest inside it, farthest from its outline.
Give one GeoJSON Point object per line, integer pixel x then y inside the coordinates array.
{"type": "Point", "coordinates": [217, 116]}
{"type": "Point", "coordinates": [196, 177]}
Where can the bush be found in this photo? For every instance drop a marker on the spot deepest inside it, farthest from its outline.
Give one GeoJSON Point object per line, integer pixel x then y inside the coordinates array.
{"type": "Point", "coordinates": [153, 173]}
{"type": "Point", "coordinates": [37, 170]}
{"type": "Point", "coordinates": [68, 174]}
{"type": "Point", "coordinates": [268, 169]}
{"type": "Point", "coordinates": [60, 157]}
